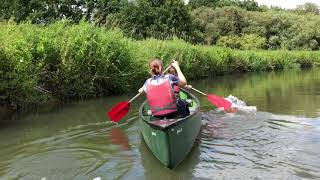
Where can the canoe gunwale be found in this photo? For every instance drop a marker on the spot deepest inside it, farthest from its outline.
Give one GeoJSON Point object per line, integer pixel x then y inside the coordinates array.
{"type": "Point", "coordinates": [177, 121]}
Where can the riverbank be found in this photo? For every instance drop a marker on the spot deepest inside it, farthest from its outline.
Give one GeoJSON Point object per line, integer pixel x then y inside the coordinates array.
{"type": "Point", "coordinates": [85, 61]}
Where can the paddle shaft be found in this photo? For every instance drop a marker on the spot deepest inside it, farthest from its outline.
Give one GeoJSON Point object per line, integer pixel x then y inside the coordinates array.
{"type": "Point", "coordinates": [199, 91]}
{"type": "Point", "coordinates": [137, 95]}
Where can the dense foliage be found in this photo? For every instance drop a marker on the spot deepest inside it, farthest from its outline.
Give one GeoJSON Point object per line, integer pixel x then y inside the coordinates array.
{"type": "Point", "coordinates": [280, 29]}
{"type": "Point", "coordinates": [81, 61]}
{"type": "Point", "coordinates": [73, 49]}
{"type": "Point", "coordinates": [159, 19]}
{"type": "Point", "coordinates": [249, 5]}
{"type": "Point", "coordinates": [227, 23]}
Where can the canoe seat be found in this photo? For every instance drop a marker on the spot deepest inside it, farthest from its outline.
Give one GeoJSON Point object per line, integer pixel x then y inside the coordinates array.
{"type": "Point", "coordinates": [163, 123]}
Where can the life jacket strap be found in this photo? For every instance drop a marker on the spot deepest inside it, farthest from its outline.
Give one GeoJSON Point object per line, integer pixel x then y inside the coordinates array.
{"type": "Point", "coordinates": [167, 107]}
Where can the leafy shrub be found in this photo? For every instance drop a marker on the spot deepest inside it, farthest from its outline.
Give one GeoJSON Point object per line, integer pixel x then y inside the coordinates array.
{"type": "Point", "coordinates": [233, 42]}
{"type": "Point", "coordinates": [252, 42]}
{"type": "Point", "coordinates": [246, 42]}
{"type": "Point", "coordinates": [82, 61]}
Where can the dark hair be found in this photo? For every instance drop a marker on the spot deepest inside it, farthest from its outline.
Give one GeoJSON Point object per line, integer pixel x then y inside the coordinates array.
{"type": "Point", "coordinates": [173, 71]}
{"type": "Point", "coordinates": [154, 65]}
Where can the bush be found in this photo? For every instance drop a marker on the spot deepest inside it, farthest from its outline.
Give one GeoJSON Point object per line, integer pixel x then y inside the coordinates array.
{"type": "Point", "coordinates": [246, 42]}
{"type": "Point", "coordinates": [17, 82]}
{"type": "Point", "coordinates": [233, 42]}
{"type": "Point", "coordinates": [83, 61]}
{"type": "Point", "coordinates": [252, 42]}
{"type": "Point", "coordinates": [280, 29]}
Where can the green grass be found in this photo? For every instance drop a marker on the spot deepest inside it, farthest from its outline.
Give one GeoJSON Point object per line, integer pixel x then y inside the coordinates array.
{"type": "Point", "coordinates": [84, 61]}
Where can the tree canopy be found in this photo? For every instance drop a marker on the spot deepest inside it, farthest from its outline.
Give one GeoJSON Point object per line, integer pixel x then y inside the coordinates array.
{"type": "Point", "coordinates": [210, 22]}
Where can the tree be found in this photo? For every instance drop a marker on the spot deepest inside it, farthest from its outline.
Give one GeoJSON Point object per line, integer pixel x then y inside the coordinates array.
{"type": "Point", "coordinates": [34, 10]}
{"type": "Point", "coordinates": [199, 3]}
{"type": "Point", "coordinates": [46, 11]}
{"type": "Point", "coordinates": [18, 9]}
{"type": "Point", "coordinates": [103, 8]}
{"type": "Point", "coordinates": [160, 19]}
{"type": "Point", "coordinates": [249, 5]}
{"type": "Point", "coordinates": [219, 22]}
{"type": "Point", "coordinates": [308, 8]}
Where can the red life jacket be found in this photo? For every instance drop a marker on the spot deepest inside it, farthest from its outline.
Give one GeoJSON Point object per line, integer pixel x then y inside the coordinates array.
{"type": "Point", "coordinates": [176, 89]}
{"type": "Point", "coordinates": [161, 98]}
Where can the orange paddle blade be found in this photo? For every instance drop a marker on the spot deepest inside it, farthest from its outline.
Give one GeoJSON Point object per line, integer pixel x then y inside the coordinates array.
{"type": "Point", "coordinates": [119, 111]}
{"type": "Point", "coordinates": [219, 101]}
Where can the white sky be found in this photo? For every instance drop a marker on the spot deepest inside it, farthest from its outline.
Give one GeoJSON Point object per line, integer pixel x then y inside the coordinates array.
{"type": "Point", "coordinates": [288, 4]}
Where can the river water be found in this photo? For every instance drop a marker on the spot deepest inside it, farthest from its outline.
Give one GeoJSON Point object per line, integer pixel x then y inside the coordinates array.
{"type": "Point", "coordinates": [76, 141]}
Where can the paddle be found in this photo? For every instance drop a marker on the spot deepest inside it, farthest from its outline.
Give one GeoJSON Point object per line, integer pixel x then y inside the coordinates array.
{"type": "Point", "coordinates": [216, 100]}
{"type": "Point", "coordinates": [120, 110]}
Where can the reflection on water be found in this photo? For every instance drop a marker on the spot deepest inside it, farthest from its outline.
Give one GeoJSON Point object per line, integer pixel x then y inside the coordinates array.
{"type": "Point", "coordinates": [76, 141]}
{"type": "Point", "coordinates": [118, 137]}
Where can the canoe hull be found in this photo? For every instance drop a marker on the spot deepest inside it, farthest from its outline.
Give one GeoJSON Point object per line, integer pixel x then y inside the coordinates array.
{"type": "Point", "coordinates": [172, 144]}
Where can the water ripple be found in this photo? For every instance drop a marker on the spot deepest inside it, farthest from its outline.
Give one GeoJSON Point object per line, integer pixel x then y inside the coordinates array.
{"type": "Point", "coordinates": [259, 143]}
{"type": "Point", "coordinates": [230, 146]}
{"type": "Point", "coordinates": [61, 154]}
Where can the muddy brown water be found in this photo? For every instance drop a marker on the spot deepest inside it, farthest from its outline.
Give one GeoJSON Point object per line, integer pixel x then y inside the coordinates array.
{"type": "Point", "coordinates": [76, 141]}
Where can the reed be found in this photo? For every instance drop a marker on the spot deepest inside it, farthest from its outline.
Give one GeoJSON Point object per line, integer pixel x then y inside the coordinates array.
{"type": "Point", "coordinates": [83, 61]}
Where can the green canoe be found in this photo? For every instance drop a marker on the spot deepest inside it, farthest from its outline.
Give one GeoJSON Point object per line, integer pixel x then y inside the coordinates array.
{"type": "Point", "coordinates": [171, 140]}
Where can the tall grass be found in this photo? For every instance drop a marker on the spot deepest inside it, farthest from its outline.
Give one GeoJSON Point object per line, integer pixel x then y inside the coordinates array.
{"type": "Point", "coordinates": [82, 61]}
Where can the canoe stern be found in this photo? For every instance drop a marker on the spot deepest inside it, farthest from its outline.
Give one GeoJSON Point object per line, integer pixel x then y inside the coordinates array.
{"type": "Point", "coordinates": [158, 142]}
{"type": "Point", "coordinates": [182, 138]}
